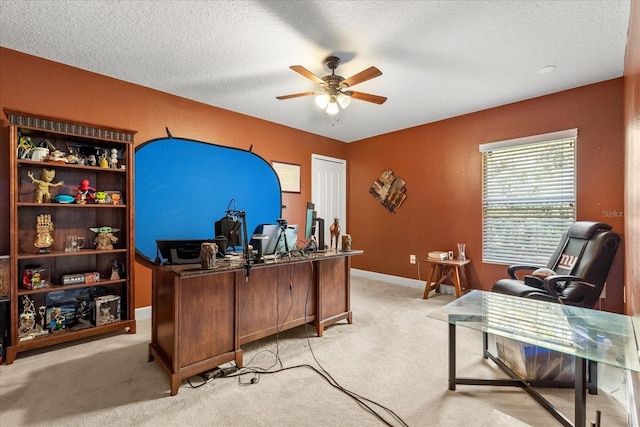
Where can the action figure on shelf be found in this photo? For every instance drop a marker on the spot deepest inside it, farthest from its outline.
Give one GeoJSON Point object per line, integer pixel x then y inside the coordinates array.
{"type": "Point", "coordinates": [116, 198]}
{"type": "Point", "coordinates": [115, 271]}
{"type": "Point", "coordinates": [83, 313]}
{"type": "Point", "coordinates": [113, 159]}
{"type": "Point", "coordinates": [25, 146]}
{"type": "Point", "coordinates": [57, 320]}
{"type": "Point", "coordinates": [42, 192]}
{"type": "Point", "coordinates": [101, 197]}
{"type": "Point", "coordinates": [27, 322]}
{"type": "Point", "coordinates": [334, 229]}
{"type": "Point", "coordinates": [84, 192]}
{"type": "Point", "coordinates": [40, 329]}
{"type": "Point", "coordinates": [44, 227]}
{"type": "Point", "coordinates": [105, 239]}
{"type": "Point", "coordinates": [105, 315]}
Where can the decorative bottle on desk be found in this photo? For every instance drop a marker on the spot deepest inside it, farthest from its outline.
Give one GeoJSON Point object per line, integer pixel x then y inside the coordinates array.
{"type": "Point", "coordinates": [461, 254]}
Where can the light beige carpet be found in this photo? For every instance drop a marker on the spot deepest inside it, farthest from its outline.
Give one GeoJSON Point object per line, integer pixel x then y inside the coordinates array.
{"type": "Point", "coordinates": [392, 354]}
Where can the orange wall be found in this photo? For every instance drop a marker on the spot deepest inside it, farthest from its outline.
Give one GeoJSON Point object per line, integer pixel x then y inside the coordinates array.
{"type": "Point", "coordinates": [439, 161]}
{"type": "Point", "coordinates": [32, 84]}
{"type": "Point", "coordinates": [441, 165]}
{"type": "Point", "coordinates": [632, 183]}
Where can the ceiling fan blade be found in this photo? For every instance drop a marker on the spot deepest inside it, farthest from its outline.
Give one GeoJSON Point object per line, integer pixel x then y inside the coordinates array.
{"type": "Point", "coordinates": [308, 74]}
{"type": "Point", "coordinates": [368, 97]}
{"type": "Point", "coordinates": [296, 95]}
{"type": "Point", "coordinates": [362, 76]}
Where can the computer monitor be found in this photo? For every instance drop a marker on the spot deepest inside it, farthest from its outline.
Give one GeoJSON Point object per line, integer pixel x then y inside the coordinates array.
{"type": "Point", "coordinates": [310, 221]}
{"type": "Point", "coordinates": [311, 228]}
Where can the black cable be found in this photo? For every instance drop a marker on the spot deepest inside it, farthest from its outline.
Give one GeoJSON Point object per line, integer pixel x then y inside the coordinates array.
{"type": "Point", "coordinates": [335, 384]}
{"type": "Point", "coordinates": [321, 371]}
{"type": "Point", "coordinates": [257, 371]}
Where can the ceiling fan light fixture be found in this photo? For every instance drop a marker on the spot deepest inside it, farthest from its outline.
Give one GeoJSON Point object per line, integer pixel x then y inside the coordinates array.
{"type": "Point", "coordinates": [332, 108]}
{"type": "Point", "coordinates": [343, 100]}
{"type": "Point", "coordinates": [336, 94]}
{"type": "Point", "coordinates": [322, 100]}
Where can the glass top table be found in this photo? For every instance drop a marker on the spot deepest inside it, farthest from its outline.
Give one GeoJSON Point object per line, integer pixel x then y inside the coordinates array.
{"type": "Point", "coordinates": [576, 331]}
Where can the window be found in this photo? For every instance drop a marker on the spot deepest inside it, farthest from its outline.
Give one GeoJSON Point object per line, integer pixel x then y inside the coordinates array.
{"type": "Point", "coordinates": [528, 196]}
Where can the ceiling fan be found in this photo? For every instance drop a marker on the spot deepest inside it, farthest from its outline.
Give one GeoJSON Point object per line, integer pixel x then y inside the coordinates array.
{"type": "Point", "coordinates": [335, 88]}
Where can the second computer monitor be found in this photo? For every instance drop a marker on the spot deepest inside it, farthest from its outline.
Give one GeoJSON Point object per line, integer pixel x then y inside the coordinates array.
{"type": "Point", "coordinates": [310, 221]}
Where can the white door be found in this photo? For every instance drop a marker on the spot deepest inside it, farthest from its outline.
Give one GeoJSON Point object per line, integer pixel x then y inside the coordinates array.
{"type": "Point", "coordinates": [329, 192]}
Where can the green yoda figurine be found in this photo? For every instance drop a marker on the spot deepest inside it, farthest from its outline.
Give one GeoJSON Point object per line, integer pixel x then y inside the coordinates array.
{"type": "Point", "coordinates": [101, 197]}
{"type": "Point", "coordinates": [105, 239]}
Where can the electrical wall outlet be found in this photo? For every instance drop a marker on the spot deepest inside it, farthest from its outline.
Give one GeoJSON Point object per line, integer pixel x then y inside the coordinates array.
{"type": "Point", "coordinates": [412, 259]}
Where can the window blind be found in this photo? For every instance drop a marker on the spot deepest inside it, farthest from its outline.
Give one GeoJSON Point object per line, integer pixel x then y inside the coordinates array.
{"type": "Point", "coordinates": [529, 195]}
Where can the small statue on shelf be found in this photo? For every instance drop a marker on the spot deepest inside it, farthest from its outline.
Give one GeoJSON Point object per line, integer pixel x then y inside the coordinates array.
{"type": "Point", "coordinates": [113, 159]}
{"type": "Point", "coordinates": [105, 315]}
{"type": "Point", "coordinates": [44, 183]}
{"type": "Point", "coordinates": [104, 163]}
{"type": "Point", "coordinates": [40, 329]}
{"type": "Point", "coordinates": [27, 322]}
{"type": "Point", "coordinates": [57, 320]}
{"type": "Point", "coordinates": [334, 229]}
{"type": "Point", "coordinates": [346, 242]}
{"type": "Point", "coordinates": [44, 227]}
{"type": "Point", "coordinates": [25, 147]}
{"type": "Point", "coordinates": [82, 314]}
{"type": "Point", "coordinates": [84, 192]}
{"type": "Point", "coordinates": [101, 197]}
{"type": "Point", "coordinates": [115, 271]}
{"type": "Point", "coordinates": [105, 238]}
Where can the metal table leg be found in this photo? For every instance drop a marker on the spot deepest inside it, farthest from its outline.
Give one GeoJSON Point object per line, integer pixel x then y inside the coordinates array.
{"type": "Point", "coordinates": [581, 392]}
{"type": "Point", "coordinates": [452, 356]}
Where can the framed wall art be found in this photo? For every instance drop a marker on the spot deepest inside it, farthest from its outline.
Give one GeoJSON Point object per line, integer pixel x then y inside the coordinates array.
{"type": "Point", "coordinates": [289, 175]}
{"type": "Point", "coordinates": [389, 190]}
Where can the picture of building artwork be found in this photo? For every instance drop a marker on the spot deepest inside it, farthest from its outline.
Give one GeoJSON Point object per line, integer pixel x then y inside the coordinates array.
{"type": "Point", "coordinates": [389, 190]}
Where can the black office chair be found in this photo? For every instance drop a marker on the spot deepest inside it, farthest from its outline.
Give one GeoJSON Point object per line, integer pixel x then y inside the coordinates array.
{"type": "Point", "coordinates": [576, 272]}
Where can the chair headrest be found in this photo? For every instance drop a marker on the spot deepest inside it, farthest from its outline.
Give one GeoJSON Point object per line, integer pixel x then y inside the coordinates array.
{"type": "Point", "coordinates": [586, 229]}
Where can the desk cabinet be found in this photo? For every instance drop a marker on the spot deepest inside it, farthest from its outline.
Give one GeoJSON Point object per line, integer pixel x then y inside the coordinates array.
{"type": "Point", "coordinates": [200, 318]}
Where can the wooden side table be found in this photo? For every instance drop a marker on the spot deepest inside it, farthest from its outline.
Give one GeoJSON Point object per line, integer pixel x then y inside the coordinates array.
{"type": "Point", "coordinates": [448, 269]}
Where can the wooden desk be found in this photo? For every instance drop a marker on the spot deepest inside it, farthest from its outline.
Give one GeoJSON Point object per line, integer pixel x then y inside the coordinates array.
{"type": "Point", "coordinates": [200, 318]}
{"type": "Point", "coordinates": [440, 271]}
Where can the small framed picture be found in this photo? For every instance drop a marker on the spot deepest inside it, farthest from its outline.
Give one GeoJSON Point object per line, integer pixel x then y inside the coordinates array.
{"type": "Point", "coordinates": [289, 175]}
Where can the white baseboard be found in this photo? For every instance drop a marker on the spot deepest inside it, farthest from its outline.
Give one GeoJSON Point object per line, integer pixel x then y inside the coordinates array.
{"type": "Point", "coordinates": [402, 281]}
{"type": "Point", "coordinates": [396, 280]}
{"type": "Point", "coordinates": [143, 313]}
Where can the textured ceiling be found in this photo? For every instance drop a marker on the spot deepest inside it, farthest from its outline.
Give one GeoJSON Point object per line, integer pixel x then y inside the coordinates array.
{"type": "Point", "coordinates": [439, 59]}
